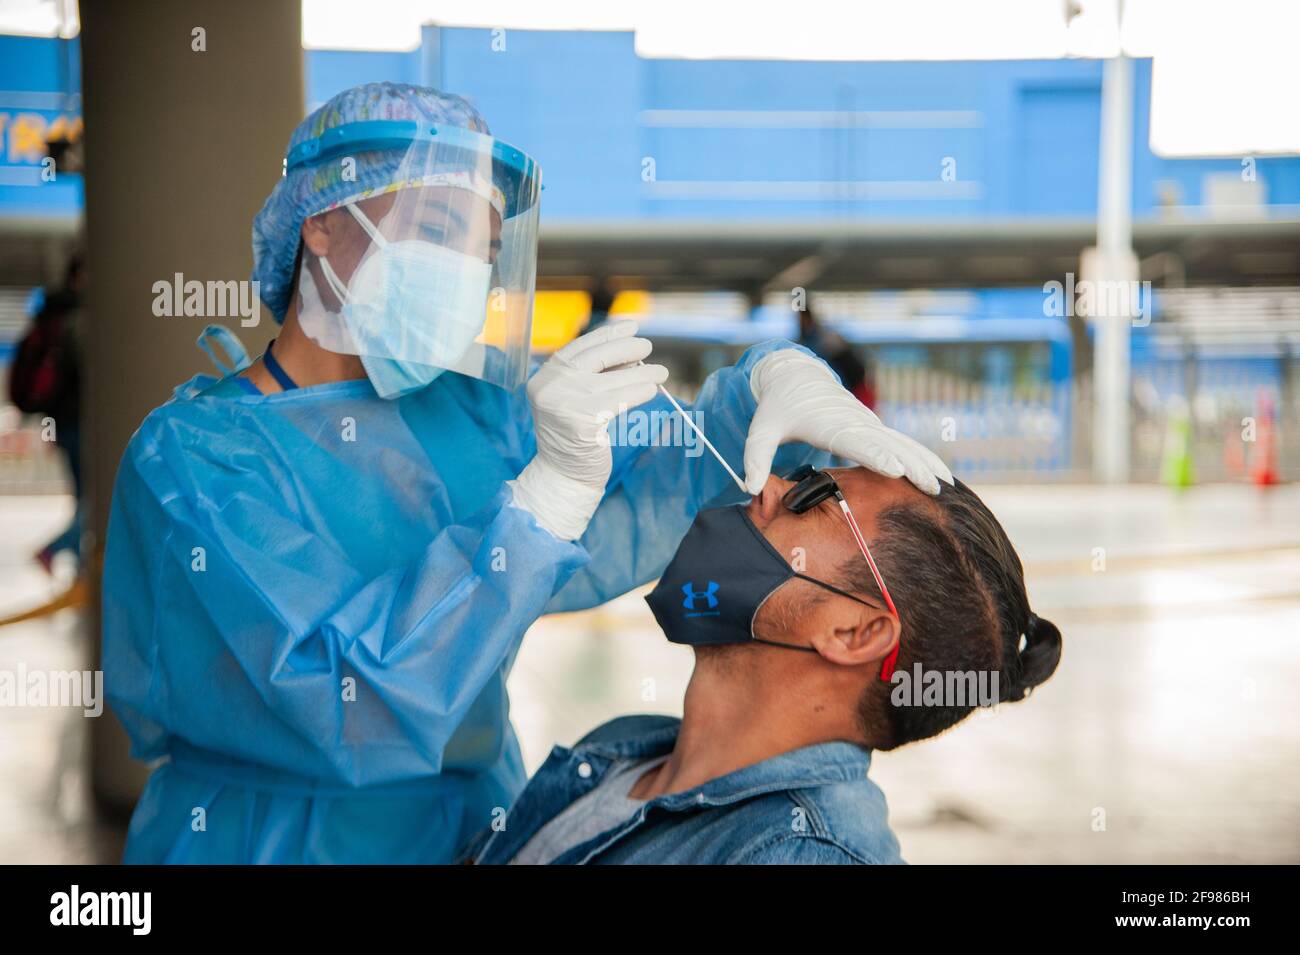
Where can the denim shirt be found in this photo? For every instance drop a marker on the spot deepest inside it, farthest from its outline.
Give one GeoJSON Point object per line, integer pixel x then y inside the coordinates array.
{"type": "Point", "coordinates": [813, 805]}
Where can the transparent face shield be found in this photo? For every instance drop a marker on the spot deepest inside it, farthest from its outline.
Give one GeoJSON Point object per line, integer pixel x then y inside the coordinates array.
{"type": "Point", "coordinates": [431, 270]}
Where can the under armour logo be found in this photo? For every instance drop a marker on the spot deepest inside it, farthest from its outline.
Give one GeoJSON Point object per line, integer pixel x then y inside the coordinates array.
{"type": "Point", "coordinates": [708, 595]}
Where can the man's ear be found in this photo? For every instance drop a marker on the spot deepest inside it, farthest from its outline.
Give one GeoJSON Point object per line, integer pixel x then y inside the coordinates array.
{"type": "Point", "coordinates": [316, 235]}
{"type": "Point", "coordinates": [853, 634]}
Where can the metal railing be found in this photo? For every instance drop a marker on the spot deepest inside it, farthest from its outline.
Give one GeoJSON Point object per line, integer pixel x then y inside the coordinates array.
{"type": "Point", "coordinates": [1230, 419]}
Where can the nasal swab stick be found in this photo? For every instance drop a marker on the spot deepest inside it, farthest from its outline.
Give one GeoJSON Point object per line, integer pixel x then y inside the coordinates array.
{"type": "Point", "coordinates": [700, 434]}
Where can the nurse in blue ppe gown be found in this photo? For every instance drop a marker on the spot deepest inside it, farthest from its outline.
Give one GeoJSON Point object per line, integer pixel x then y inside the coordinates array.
{"type": "Point", "coordinates": [320, 566]}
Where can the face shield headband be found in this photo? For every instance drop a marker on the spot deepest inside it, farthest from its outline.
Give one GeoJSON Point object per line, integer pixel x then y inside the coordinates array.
{"type": "Point", "coordinates": [509, 163]}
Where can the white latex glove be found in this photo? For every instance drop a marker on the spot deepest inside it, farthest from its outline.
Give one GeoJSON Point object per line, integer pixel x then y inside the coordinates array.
{"type": "Point", "coordinates": [574, 396]}
{"type": "Point", "coordinates": [800, 400]}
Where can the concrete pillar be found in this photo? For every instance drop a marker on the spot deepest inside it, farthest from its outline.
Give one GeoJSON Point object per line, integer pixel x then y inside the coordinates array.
{"type": "Point", "coordinates": [188, 107]}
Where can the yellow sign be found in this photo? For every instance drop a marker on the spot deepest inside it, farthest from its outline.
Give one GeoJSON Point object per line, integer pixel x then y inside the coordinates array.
{"type": "Point", "coordinates": [24, 135]}
{"type": "Point", "coordinates": [559, 317]}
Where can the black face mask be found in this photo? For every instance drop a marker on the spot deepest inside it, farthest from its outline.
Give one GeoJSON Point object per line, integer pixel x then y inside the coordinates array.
{"type": "Point", "coordinates": [723, 572]}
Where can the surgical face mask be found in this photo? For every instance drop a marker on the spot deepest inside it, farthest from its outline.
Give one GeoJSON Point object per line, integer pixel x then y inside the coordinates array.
{"type": "Point", "coordinates": [413, 308]}
{"type": "Point", "coordinates": [722, 574]}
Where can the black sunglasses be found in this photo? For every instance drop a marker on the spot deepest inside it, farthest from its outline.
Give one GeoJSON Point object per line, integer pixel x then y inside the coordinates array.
{"type": "Point", "coordinates": [811, 487]}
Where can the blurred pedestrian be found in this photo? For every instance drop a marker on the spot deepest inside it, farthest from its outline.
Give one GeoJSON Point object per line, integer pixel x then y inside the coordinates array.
{"type": "Point", "coordinates": [602, 300]}
{"type": "Point", "coordinates": [45, 379]}
{"type": "Point", "coordinates": [854, 372]}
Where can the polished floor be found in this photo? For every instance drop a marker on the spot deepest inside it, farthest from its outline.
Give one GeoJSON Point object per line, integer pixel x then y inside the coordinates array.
{"type": "Point", "coordinates": [1169, 734]}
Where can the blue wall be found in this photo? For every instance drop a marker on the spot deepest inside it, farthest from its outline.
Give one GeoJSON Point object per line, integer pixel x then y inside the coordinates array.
{"type": "Point", "coordinates": [818, 140]}
{"type": "Point", "coordinates": [1023, 134]}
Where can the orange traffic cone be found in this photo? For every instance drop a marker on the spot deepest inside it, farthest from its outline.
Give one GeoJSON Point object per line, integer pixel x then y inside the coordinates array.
{"type": "Point", "coordinates": [1263, 469]}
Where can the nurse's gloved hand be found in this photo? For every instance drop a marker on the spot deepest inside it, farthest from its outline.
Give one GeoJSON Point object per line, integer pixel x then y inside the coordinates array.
{"type": "Point", "coordinates": [800, 400]}
{"type": "Point", "coordinates": [574, 396]}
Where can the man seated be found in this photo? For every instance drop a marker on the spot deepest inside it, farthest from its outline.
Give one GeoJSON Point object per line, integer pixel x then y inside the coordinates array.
{"type": "Point", "coordinates": [769, 761]}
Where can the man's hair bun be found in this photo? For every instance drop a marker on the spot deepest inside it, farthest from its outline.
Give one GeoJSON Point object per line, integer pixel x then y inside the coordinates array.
{"type": "Point", "coordinates": [1040, 656]}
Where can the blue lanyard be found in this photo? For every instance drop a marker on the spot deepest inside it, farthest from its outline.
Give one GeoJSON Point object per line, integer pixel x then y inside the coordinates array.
{"type": "Point", "coordinates": [279, 374]}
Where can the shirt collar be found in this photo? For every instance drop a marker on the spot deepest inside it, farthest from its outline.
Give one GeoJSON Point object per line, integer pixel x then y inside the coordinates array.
{"type": "Point", "coordinates": [645, 737]}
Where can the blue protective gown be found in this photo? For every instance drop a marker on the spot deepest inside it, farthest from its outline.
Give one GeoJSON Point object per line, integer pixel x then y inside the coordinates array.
{"type": "Point", "coordinates": [312, 600]}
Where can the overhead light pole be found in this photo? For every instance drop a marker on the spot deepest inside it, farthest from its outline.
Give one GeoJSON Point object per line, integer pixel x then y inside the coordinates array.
{"type": "Point", "coordinates": [1112, 268]}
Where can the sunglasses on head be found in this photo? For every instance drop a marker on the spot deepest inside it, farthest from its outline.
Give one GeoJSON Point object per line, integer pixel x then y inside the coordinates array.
{"type": "Point", "coordinates": [812, 487]}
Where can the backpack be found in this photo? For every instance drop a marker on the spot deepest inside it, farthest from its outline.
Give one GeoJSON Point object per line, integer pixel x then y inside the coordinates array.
{"type": "Point", "coordinates": [38, 374]}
